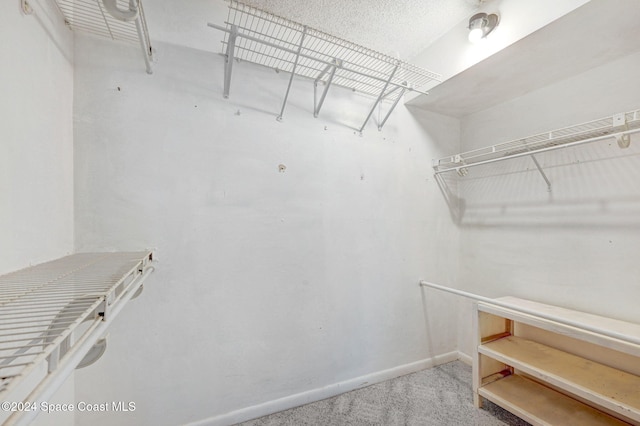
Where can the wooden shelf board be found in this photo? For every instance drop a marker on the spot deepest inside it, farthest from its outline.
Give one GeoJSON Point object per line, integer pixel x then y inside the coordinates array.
{"type": "Point", "coordinates": [540, 405]}
{"type": "Point", "coordinates": [604, 386]}
{"type": "Point", "coordinates": [621, 327]}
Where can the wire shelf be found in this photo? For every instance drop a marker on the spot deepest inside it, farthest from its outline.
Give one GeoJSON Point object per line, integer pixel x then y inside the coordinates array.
{"type": "Point", "coordinates": [619, 126]}
{"type": "Point", "coordinates": [91, 16]}
{"type": "Point", "coordinates": [363, 70]}
{"type": "Point", "coordinates": [49, 312]}
{"type": "Point", "coordinates": [259, 37]}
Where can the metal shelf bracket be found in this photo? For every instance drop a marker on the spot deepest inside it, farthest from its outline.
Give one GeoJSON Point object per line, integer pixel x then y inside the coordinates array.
{"type": "Point", "coordinates": [380, 96]}
{"type": "Point", "coordinates": [293, 73]}
{"type": "Point", "coordinates": [393, 106]}
{"type": "Point", "coordinates": [228, 62]}
{"type": "Point", "coordinates": [620, 121]}
{"type": "Point", "coordinates": [331, 70]}
{"type": "Point", "coordinates": [542, 173]}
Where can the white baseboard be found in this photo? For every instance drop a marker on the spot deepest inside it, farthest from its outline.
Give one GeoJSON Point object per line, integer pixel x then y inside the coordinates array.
{"type": "Point", "coordinates": [325, 392]}
{"type": "Point", "coordinates": [465, 358]}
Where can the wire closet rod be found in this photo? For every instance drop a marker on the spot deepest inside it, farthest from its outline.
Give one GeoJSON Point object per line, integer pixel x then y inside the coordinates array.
{"type": "Point", "coordinates": [612, 334]}
{"type": "Point", "coordinates": [540, 150]}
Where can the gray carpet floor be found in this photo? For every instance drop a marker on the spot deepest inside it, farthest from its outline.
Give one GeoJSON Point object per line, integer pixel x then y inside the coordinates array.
{"type": "Point", "coordinates": [439, 396]}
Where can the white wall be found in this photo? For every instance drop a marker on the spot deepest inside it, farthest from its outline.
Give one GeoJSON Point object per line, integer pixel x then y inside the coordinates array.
{"type": "Point", "coordinates": [36, 153]}
{"type": "Point", "coordinates": [270, 283]}
{"type": "Point", "coordinates": [36, 150]}
{"type": "Point", "coordinates": [574, 247]}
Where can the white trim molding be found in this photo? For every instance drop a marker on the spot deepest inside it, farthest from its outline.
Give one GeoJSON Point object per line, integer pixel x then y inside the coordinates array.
{"type": "Point", "coordinates": [313, 395]}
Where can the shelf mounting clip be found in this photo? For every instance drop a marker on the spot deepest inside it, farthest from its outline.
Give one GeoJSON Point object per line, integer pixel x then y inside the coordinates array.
{"type": "Point", "coordinates": [623, 139]}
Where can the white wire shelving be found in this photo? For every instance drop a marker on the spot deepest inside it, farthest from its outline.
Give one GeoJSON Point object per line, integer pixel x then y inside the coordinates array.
{"type": "Point", "coordinates": [53, 319]}
{"type": "Point", "coordinates": [122, 20]}
{"type": "Point", "coordinates": [256, 36]}
{"type": "Point", "coordinates": [619, 126]}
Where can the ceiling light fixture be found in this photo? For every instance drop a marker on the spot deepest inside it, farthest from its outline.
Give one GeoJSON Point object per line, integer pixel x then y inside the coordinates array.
{"type": "Point", "coordinates": [480, 25]}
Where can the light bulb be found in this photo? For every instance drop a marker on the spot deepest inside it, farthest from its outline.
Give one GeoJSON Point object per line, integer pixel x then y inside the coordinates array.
{"type": "Point", "coordinates": [475, 35]}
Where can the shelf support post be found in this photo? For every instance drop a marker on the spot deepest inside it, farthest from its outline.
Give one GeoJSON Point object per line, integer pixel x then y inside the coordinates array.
{"type": "Point", "coordinates": [381, 125]}
{"type": "Point", "coordinates": [143, 36]}
{"type": "Point", "coordinates": [53, 359]}
{"type": "Point", "coordinates": [544, 176]}
{"type": "Point", "coordinates": [147, 51]}
{"type": "Point", "coordinates": [228, 63]}
{"type": "Point", "coordinates": [382, 93]}
{"type": "Point", "coordinates": [293, 73]}
{"type": "Point", "coordinates": [317, 105]}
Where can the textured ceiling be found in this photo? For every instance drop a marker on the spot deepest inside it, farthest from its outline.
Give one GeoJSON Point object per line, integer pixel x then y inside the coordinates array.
{"type": "Point", "coordinates": [395, 27]}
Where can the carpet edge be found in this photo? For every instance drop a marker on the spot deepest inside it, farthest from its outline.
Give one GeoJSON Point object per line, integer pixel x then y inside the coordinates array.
{"type": "Point", "coordinates": [335, 389]}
